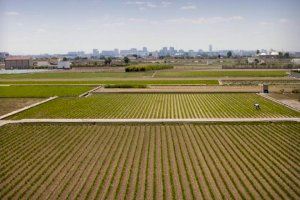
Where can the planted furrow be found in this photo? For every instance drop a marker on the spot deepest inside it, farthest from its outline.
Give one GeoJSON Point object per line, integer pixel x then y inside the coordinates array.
{"type": "Point", "coordinates": [76, 167]}
{"type": "Point", "coordinates": [188, 164]}
{"type": "Point", "coordinates": [115, 150]}
{"type": "Point", "coordinates": [16, 175]}
{"type": "Point", "coordinates": [180, 190]}
{"type": "Point", "coordinates": [113, 172]}
{"type": "Point", "coordinates": [119, 191]}
{"type": "Point", "coordinates": [41, 166]}
{"type": "Point", "coordinates": [40, 180]}
{"type": "Point", "coordinates": [133, 182]}
{"type": "Point", "coordinates": [213, 165]}
{"type": "Point", "coordinates": [251, 156]}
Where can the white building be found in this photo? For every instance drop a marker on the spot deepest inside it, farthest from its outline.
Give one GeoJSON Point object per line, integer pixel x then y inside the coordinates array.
{"type": "Point", "coordinates": [63, 64]}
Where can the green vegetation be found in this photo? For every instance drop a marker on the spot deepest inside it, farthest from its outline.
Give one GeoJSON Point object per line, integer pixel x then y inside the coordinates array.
{"type": "Point", "coordinates": [74, 75]}
{"type": "Point", "coordinates": [150, 161]}
{"type": "Point", "coordinates": [142, 68]}
{"type": "Point", "coordinates": [125, 86]}
{"type": "Point", "coordinates": [130, 82]}
{"type": "Point", "coordinates": [222, 74]}
{"type": "Point", "coordinates": [159, 106]}
{"type": "Point", "coordinates": [42, 91]}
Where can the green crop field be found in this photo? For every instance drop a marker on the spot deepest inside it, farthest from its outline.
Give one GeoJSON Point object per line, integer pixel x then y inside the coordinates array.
{"type": "Point", "coordinates": [42, 91]}
{"type": "Point", "coordinates": [74, 75]}
{"type": "Point", "coordinates": [222, 74]}
{"type": "Point", "coordinates": [150, 161]}
{"type": "Point", "coordinates": [104, 82]}
{"type": "Point", "coordinates": [159, 106]}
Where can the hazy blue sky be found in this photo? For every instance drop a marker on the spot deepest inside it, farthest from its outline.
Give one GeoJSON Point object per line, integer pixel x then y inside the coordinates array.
{"type": "Point", "coordinates": [58, 26]}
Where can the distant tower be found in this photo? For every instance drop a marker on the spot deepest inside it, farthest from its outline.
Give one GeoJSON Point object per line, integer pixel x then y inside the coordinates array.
{"type": "Point", "coordinates": [210, 48]}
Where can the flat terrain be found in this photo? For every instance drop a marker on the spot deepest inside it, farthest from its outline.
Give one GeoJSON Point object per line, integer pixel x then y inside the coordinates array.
{"type": "Point", "coordinates": [190, 161]}
{"type": "Point", "coordinates": [223, 73]}
{"type": "Point", "coordinates": [174, 106]}
{"type": "Point", "coordinates": [182, 89]}
{"type": "Point", "coordinates": [42, 91]}
{"type": "Point", "coordinates": [74, 75]}
{"type": "Point", "coordinates": [292, 100]}
{"type": "Point", "coordinates": [8, 105]}
{"type": "Point", "coordinates": [112, 81]}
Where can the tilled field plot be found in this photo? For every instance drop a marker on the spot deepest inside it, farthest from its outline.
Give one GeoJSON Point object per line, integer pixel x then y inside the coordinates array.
{"type": "Point", "coordinates": [150, 106]}
{"type": "Point", "coordinates": [212, 161]}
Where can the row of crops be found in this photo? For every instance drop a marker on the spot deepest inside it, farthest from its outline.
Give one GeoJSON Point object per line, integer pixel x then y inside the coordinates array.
{"type": "Point", "coordinates": [173, 106]}
{"type": "Point", "coordinates": [189, 161]}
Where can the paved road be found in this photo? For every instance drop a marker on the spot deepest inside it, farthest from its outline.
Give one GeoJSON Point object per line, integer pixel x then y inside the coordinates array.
{"type": "Point", "coordinates": [203, 120]}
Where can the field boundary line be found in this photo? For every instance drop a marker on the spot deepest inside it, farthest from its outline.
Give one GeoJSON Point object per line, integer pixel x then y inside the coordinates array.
{"type": "Point", "coordinates": [199, 120]}
{"type": "Point", "coordinates": [27, 107]}
{"type": "Point", "coordinates": [277, 101]}
{"type": "Point", "coordinates": [85, 94]}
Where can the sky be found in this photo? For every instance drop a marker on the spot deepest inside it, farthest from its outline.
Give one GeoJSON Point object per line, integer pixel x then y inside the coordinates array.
{"type": "Point", "coordinates": [56, 26]}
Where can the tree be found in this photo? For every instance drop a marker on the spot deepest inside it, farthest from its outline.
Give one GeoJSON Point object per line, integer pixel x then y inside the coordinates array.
{"type": "Point", "coordinates": [280, 54]}
{"type": "Point", "coordinates": [257, 52]}
{"type": "Point", "coordinates": [65, 59]}
{"type": "Point", "coordinates": [219, 56]}
{"type": "Point", "coordinates": [126, 60]}
{"type": "Point", "coordinates": [286, 55]}
{"type": "Point", "coordinates": [107, 61]}
{"type": "Point", "coordinates": [229, 54]}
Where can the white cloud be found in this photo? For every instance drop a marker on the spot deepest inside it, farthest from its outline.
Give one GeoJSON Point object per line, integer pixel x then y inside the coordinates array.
{"type": "Point", "coordinates": [189, 7]}
{"type": "Point", "coordinates": [12, 13]}
{"type": "Point", "coordinates": [266, 23]}
{"type": "Point", "coordinates": [202, 20]}
{"type": "Point", "coordinates": [283, 21]}
{"type": "Point", "coordinates": [41, 30]}
{"type": "Point", "coordinates": [142, 5]}
{"type": "Point", "coordinates": [165, 3]}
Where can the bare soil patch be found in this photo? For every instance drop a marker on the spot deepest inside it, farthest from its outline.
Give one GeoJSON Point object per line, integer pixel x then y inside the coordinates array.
{"type": "Point", "coordinates": [8, 105]}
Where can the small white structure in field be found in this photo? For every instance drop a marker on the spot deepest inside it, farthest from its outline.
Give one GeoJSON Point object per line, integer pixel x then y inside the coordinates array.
{"type": "Point", "coordinates": [63, 64]}
{"type": "Point", "coordinates": [257, 106]}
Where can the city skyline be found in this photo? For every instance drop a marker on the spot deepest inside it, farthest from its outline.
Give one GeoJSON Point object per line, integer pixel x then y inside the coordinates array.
{"type": "Point", "coordinates": [38, 27]}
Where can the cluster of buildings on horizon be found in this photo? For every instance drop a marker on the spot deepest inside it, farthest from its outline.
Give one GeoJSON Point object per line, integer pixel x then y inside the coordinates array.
{"type": "Point", "coordinates": [164, 52]}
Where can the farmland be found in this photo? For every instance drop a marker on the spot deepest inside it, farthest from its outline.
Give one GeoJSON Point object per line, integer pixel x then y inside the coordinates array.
{"type": "Point", "coordinates": [221, 74]}
{"type": "Point", "coordinates": [150, 161]}
{"type": "Point", "coordinates": [11, 104]}
{"type": "Point", "coordinates": [111, 81]}
{"type": "Point", "coordinates": [174, 106]}
{"type": "Point", "coordinates": [42, 91]}
{"type": "Point", "coordinates": [74, 75]}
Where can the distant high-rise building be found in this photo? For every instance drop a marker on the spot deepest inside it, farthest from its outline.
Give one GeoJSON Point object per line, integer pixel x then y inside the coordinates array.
{"type": "Point", "coordinates": [117, 52]}
{"type": "Point", "coordinates": [145, 49]}
{"type": "Point", "coordinates": [210, 48]}
{"type": "Point", "coordinates": [96, 53]}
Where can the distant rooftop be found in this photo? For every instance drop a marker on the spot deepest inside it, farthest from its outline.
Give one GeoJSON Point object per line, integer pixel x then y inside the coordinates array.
{"type": "Point", "coordinates": [18, 58]}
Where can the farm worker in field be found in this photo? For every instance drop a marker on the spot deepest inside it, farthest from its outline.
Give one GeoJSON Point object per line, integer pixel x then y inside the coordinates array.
{"type": "Point", "coordinates": [257, 106]}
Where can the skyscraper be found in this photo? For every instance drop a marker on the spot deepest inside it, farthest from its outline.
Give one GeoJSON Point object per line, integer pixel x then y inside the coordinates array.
{"type": "Point", "coordinates": [96, 53]}
{"type": "Point", "coordinates": [210, 48]}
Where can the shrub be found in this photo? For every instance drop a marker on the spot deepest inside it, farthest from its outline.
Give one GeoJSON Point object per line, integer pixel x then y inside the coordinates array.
{"type": "Point", "coordinates": [143, 68]}
{"type": "Point", "coordinates": [124, 86]}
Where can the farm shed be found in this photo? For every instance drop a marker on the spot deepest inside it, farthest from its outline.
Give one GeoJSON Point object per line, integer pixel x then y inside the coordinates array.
{"type": "Point", "coordinates": [264, 88]}
{"type": "Point", "coordinates": [18, 62]}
